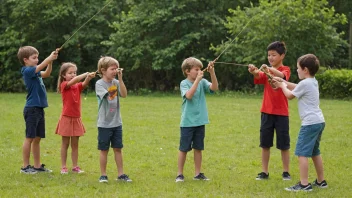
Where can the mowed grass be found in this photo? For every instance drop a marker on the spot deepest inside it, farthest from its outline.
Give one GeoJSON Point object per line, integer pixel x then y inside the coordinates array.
{"type": "Point", "coordinates": [151, 138]}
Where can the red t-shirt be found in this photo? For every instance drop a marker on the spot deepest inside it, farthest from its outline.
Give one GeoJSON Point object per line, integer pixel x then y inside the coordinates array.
{"type": "Point", "coordinates": [274, 100]}
{"type": "Point", "coordinates": [71, 99]}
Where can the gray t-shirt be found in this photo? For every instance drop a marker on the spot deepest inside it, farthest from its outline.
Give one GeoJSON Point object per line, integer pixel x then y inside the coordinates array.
{"type": "Point", "coordinates": [108, 102]}
{"type": "Point", "coordinates": [307, 93]}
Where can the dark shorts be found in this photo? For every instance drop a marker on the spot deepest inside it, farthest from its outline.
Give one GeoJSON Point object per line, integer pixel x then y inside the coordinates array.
{"type": "Point", "coordinates": [280, 124]}
{"type": "Point", "coordinates": [309, 140]}
{"type": "Point", "coordinates": [35, 122]}
{"type": "Point", "coordinates": [192, 137]}
{"type": "Point", "coordinates": [109, 136]}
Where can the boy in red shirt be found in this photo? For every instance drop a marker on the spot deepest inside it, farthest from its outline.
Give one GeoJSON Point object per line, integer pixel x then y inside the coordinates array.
{"type": "Point", "coordinates": [274, 110]}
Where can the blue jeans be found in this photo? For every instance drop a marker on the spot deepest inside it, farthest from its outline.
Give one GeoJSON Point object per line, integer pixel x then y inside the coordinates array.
{"type": "Point", "coordinates": [309, 140]}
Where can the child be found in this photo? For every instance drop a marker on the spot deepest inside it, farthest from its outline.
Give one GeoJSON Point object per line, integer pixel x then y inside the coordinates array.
{"type": "Point", "coordinates": [194, 113]}
{"type": "Point", "coordinates": [36, 101]}
{"type": "Point", "coordinates": [313, 123]}
{"type": "Point", "coordinates": [274, 110]}
{"type": "Point", "coordinates": [108, 90]}
{"type": "Point", "coordinates": [70, 125]}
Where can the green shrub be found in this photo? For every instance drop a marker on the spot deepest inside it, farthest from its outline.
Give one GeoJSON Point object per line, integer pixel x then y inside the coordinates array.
{"type": "Point", "coordinates": [335, 84]}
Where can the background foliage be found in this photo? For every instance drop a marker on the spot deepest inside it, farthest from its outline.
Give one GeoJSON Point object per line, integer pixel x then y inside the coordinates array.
{"type": "Point", "coordinates": [152, 38]}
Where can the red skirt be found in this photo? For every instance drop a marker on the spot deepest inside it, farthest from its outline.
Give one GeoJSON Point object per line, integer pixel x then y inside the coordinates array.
{"type": "Point", "coordinates": [70, 126]}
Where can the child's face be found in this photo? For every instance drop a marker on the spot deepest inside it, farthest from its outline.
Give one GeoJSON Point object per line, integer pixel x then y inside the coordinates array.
{"type": "Point", "coordinates": [301, 72]}
{"type": "Point", "coordinates": [111, 72]}
{"type": "Point", "coordinates": [274, 58]}
{"type": "Point", "coordinates": [193, 72]}
{"type": "Point", "coordinates": [71, 72]}
{"type": "Point", "coordinates": [31, 60]}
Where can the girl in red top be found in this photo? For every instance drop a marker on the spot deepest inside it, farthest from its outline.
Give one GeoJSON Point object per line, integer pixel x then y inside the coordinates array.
{"type": "Point", "coordinates": [70, 125]}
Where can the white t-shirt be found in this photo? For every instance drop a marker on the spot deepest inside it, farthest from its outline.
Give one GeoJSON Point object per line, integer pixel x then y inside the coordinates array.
{"type": "Point", "coordinates": [307, 93]}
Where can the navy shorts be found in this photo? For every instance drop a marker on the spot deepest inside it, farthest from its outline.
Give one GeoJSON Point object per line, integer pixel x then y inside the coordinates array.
{"type": "Point", "coordinates": [280, 124]}
{"type": "Point", "coordinates": [309, 140]}
{"type": "Point", "coordinates": [192, 137]}
{"type": "Point", "coordinates": [35, 122]}
{"type": "Point", "coordinates": [109, 136]}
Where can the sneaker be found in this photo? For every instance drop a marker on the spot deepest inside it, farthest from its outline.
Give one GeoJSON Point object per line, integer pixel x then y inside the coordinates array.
{"type": "Point", "coordinates": [322, 184]}
{"type": "Point", "coordinates": [201, 176]}
{"type": "Point", "coordinates": [286, 176]}
{"type": "Point", "coordinates": [42, 169]}
{"type": "Point", "coordinates": [262, 176]}
{"type": "Point", "coordinates": [124, 177]}
{"type": "Point", "coordinates": [300, 187]}
{"type": "Point", "coordinates": [64, 170]}
{"type": "Point", "coordinates": [180, 178]}
{"type": "Point", "coordinates": [28, 170]}
{"type": "Point", "coordinates": [77, 169]}
{"type": "Point", "coordinates": [103, 179]}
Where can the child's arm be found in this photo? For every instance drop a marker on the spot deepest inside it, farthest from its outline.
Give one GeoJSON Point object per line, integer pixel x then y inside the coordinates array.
{"type": "Point", "coordinates": [42, 65]}
{"type": "Point", "coordinates": [47, 72]}
{"type": "Point", "coordinates": [285, 86]}
{"type": "Point", "coordinates": [253, 70]}
{"type": "Point", "coordinates": [193, 89]}
{"type": "Point", "coordinates": [276, 72]}
{"type": "Point", "coordinates": [214, 81]}
{"type": "Point", "coordinates": [123, 89]}
{"type": "Point", "coordinates": [89, 77]}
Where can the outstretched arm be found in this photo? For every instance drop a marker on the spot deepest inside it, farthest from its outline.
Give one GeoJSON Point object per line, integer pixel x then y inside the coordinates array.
{"type": "Point", "coordinates": [89, 76]}
{"type": "Point", "coordinates": [46, 62]}
{"type": "Point", "coordinates": [214, 81]}
{"type": "Point", "coordinates": [123, 89]}
{"type": "Point", "coordinates": [253, 70]}
{"type": "Point", "coordinates": [285, 86]}
{"type": "Point", "coordinates": [48, 70]}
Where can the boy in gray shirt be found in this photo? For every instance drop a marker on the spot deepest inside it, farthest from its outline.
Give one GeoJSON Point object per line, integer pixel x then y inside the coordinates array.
{"type": "Point", "coordinates": [313, 123]}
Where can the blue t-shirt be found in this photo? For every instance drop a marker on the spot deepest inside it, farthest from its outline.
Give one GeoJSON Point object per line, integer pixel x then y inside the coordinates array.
{"type": "Point", "coordinates": [194, 111]}
{"type": "Point", "coordinates": [36, 96]}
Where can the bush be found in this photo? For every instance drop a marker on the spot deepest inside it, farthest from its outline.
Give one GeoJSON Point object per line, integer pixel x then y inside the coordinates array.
{"type": "Point", "coordinates": [335, 84]}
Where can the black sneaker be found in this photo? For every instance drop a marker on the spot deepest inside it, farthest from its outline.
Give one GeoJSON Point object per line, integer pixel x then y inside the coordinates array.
{"type": "Point", "coordinates": [103, 179]}
{"type": "Point", "coordinates": [300, 187]}
{"type": "Point", "coordinates": [42, 169]}
{"type": "Point", "coordinates": [180, 178]}
{"type": "Point", "coordinates": [322, 184]}
{"type": "Point", "coordinates": [262, 176]}
{"type": "Point", "coordinates": [201, 176]}
{"type": "Point", "coordinates": [28, 170]}
{"type": "Point", "coordinates": [124, 177]}
{"type": "Point", "coordinates": [286, 176]}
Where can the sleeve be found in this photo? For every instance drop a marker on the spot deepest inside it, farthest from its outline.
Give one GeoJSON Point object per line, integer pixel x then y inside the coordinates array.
{"type": "Point", "coordinates": [30, 72]}
{"type": "Point", "coordinates": [100, 90]}
{"type": "Point", "coordinates": [63, 86]}
{"type": "Point", "coordinates": [299, 90]}
{"type": "Point", "coordinates": [262, 78]}
{"type": "Point", "coordinates": [206, 86]}
{"type": "Point", "coordinates": [80, 86]}
{"type": "Point", "coordinates": [184, 87]}
{"type": "Point", "coordinates": [287, 73]}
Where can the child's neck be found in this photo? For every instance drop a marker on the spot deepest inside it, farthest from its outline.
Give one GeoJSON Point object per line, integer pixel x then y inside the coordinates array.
{"type": "Point", "coordinates": [190, 79]}
{"type": "Point", "coordinates": [277, 65]}
{"type": "Point", "coordinates": [107, 79]}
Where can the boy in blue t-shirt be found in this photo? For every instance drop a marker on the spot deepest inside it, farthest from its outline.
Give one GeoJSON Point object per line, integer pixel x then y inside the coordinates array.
{"type": "Point", "coordinates": [312, 118]}
{"type": "Point", "coordinates": [194, 113]}
{"type": "Point", "coordinates": [36, 101]}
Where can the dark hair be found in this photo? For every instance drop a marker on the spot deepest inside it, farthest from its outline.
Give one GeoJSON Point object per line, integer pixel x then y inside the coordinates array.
{"type": "Point", "coordinates": [309, 61]}
{"type": "Point", "coordinates": [278, 46]}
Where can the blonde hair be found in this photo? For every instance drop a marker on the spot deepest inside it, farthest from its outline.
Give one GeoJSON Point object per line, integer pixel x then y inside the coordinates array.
{"type": "Point", "coordinates": [189, 63]}
{"type": "Point", "coordinates": [105, 62]}
{"type": "Point", "coordinates": [63, 69]}
{"type": "Point", "coordinates": [26, 52]}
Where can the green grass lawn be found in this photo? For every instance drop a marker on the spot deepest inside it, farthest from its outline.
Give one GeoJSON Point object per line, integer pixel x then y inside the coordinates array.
{"type": "Point", "coordinates": [151, 138]}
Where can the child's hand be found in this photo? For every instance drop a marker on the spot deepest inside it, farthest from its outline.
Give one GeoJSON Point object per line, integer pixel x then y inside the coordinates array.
{"type": "Point", "coordinates": [200, 75]}
{"type": "Point", "coordinates": [90, 75]}
{"type": "Point", "coordinates": [252, 69]}
{"type": "Point", "coordinates": [278, 82]}
{"type": "Point", "coordinates": [53, 55]}
{"type": "Point", "coordinates": [119, 72]}
{"type": "Point", "coordinates": [265, 68]}
{"type": "Point", "coordinates": [210, 67]}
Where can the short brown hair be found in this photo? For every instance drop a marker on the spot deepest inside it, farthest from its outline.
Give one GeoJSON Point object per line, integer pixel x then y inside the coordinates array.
{"type": "Point", "coordinates": [26, 52]}
{"type": "Point", "coordinates": [309, 61]}
{"type": "Point", "coordinates": [105, 62]}
{"type": "Point", "coordinates": [189, 63]}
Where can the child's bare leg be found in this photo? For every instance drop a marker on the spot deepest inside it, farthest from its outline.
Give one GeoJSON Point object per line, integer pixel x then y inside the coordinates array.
{"type": "Point", "coordinates": [318, 164]}
{"type": "Point", "coordinates": [103, 161]}
{"type": "Point", "coordinates": [118, 161]}
{"type": "Point", "coordinates": [64, 146]}
{"type": "Point", "coordinates": [74, 147]}
{"type": "Point", "coordinates": [265, 159]}
{"type": "Point", "coordinates": [285, 156]}
{"type": "Point", "coordinates": [36, 152]}
{"type": "Point", "coordinates": [26, 151]}
{"type": "Point", "coordinates": [181, 162]}
{"type": "Point", "coordinates": [303, 169]}
{"type": "Point", "coordinates": [197, 161]}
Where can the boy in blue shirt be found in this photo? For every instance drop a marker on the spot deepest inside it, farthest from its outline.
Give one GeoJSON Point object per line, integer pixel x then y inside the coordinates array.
{"type": "Point", "coordinates": [36, 101]}
{"type": "Point", "coordinates": [312, 118]}
{"type": "Point", "coordinates": [194, 113]}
